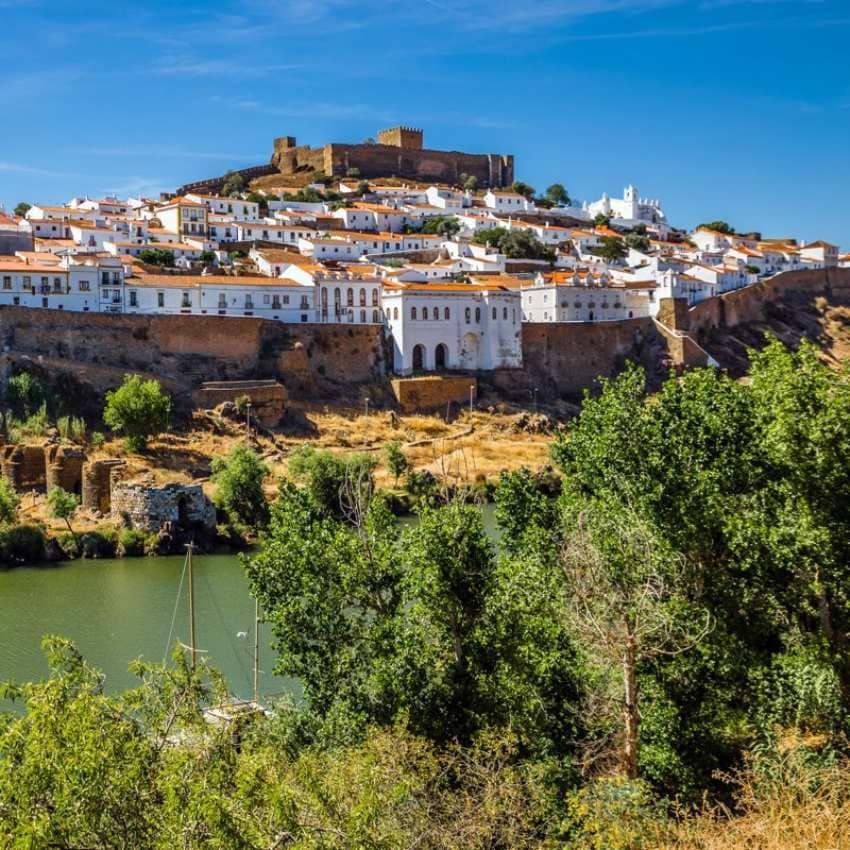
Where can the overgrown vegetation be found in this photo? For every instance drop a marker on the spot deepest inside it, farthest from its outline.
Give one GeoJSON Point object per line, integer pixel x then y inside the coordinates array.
{"type": "Point", "coordinates": [654, 658]}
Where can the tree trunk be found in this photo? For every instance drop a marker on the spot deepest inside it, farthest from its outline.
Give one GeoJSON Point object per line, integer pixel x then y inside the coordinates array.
{"type": "Point", "coordinates": [630, 708]}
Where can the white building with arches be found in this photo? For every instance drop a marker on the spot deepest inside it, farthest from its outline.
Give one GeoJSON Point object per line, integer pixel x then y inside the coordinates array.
{"type": "Point", "coordinates": [453, 326]}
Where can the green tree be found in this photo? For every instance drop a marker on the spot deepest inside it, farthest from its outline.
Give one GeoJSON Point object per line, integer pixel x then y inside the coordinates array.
{"type": "Point", "coordinates": [396, 460]}
{"type": "Point", "coordinates": [9, 502]}
{"type": "Point", "coordinates": [363, 187]}
{"type": "Point", "coordinates": [22, 208]}
{"type": "Point", "coordinates": [261, 199]}
{"type": "Point", "coordinates": [601, 220]}
{"type": "Point", "coordinates": [332, 481]}
{"type": "Point", "coordinates": [331, 591]}
{"type": "Point", "coordinates": [447, 226]}
{"type": "Point", "coordinates": [557, 194]}
{"type": "Point", "coordinates": [719, 226]}
{"type": "Point", "coordinates": [26, 395]}
{"type": "Point", "coordinates": [636, 241]}
{"type": "Point", "coordinates": [138, 409]}
{"type": "Point", "coordinates": [610, 248]}
{"type": "Point", "coordinates": [239, 492]}
{"type": "Point", "coordinates": [522, 189]}
{"type": "Point", "coordinates": [470, 183]}
{"type": "Point", "coordinates": [514, 244]}
{"type": "Point", "coordinates": [208, 258]}
{"type": "Point", "coordinates": [62, 505]}
{"type": "Point", "coordinates": [157, 256]}
{"type": "Point", "coordinates": [234, 184]}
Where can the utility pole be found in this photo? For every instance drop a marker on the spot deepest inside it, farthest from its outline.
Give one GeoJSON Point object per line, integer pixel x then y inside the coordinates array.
{"type": "Point", "coordinates": [248, 423]}
{"type": "Point", "coordinates": [471, 398]}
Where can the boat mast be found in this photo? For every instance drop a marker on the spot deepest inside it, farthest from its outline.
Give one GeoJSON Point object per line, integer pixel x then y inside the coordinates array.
{"type": "Point", "coordinates": [191, 605]}
{"type": "Point", "coordinates": [256, 650]}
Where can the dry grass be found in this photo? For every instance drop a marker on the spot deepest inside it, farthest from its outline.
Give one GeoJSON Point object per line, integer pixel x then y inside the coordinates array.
{"type": "Point", "coordinates": [803, 808]}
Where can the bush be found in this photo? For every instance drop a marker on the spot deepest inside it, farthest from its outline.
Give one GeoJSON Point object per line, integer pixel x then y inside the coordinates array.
{"type": "Point", "coordinates": [396, 460]}
{"type": "Point", "coordinates": [26, 396]}
{"type": "Point", "coordinates": [9, 501]}
{"type": "Point", "coordinates": [69, 544]}
{"type": "Point", "coordinates": [22, 544]}
{"type": "Point", "coordinates": [71, 427]}
{"type": "Point", "coordinates": [327, 476]}
{"type": "Point", "coordinates": [138, 409]}
{"type": "Point", "coordinates": [133, 542]}
{"type": "Point", "coordinates": [100, 543]}
{"type": "Point", "coordinates": [97, 440]}
{"type": "Point", "coordinates": [239, 487]}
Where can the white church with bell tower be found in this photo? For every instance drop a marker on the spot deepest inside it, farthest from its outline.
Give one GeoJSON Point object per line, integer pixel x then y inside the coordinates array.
{"type": "Point", "coordinates": [628, 211]}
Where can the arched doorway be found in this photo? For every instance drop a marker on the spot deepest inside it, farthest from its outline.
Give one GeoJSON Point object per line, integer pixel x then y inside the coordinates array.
{"type": "Point", "coordinates": [469, 352]}
{"type": "Point", "coordinates": [418, 358]}
{"type": "Point", "coordinates": [441, 356]}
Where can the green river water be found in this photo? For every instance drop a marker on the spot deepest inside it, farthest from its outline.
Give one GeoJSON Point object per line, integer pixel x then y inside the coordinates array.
{"type": "Point", "coordinates": [121, 609]}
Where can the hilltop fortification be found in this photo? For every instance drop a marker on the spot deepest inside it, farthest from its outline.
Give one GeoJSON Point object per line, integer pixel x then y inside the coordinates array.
{"type": "Point", "coordinates": [397, 152]}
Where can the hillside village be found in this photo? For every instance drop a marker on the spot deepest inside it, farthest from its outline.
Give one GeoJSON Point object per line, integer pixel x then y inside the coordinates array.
{"type": "Point", "coordinates": [451, 271]}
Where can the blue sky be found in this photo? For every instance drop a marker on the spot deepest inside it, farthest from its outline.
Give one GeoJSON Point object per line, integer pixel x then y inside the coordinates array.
{"type": "Point", "coordinates": [735, 109]}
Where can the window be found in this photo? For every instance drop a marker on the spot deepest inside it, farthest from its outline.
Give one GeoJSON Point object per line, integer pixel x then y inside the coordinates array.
{"type": "Point", "coordinates": [477, 315]}
{"type": "Point", "coordinates": [276, 302]}
{"type": "Point", "coordinates": [505, 313]}
{"type": "Point", "coordinates": [85, 286]}
{"type": "Point", "coordinates": [412, 312]}
{"type": "Point", "coordinates": [362, 297]}
{"type": "Point", "coordinates": [285, 299]}
{"type": "Point", "coordinates": [27, 281]}
{"type": "Point", "coordinates": [160, 299]}
{"type": "Point", "coordinates": [374, 297]}
{"type": "Point", "coordinates": [375, 317]}
{"type": "Point", "coordinates": [395, 312]}
{"type": "Point", "coordinates": [467, 314]}
{"type": "Point", "coordinates": [185, 302]}
{"type": "Point", "coordinates": [495, 314]}
{"type": "Point", "coordinates": [134, 301]}
{"type": "Point", "coordinates": [363, 317]}
{"type": "Point", "coordinates": [222, 301]}
{"type": "Point", "coordinates": [249, 302]}
{"type": "Point", "coordinates": [57, 284]}
{"type": "Point", "coordinates": [116, 279]}
{"type": "Point", "coordinates": [425, 313]}
{"type": "Point", "coordinates": [266, 298]}
{"type": "Point", "coordinates": [16, 301]}
{"type": "Point", "coordinates": [349, 297]}
{"type": "Point", "coordinates": [104, 278]}
{"type": "Point", "coordinates": [446, 314]}
{"type": "Point", "coordinates": [7, 282]}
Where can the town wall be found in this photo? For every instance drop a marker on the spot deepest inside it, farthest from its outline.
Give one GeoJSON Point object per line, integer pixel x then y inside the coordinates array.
{"type": "Point", "coordinates": [315, 360]}
{"type": "Point", "coordinates": [433, 392]}
{"type": "Point", "coordinates": [748, 304]}
{"type": "Point", "coordinates": [563, 359]}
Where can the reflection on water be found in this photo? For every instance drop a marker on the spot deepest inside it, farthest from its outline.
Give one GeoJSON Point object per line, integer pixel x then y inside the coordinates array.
{"type": "Point", "coordinates": [121, 609]}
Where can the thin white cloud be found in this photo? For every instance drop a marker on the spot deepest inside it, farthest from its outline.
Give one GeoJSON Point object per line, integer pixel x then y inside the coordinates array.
{"type": "Point", "coordinates": [33, 171]}
{"type": "Point", "coordinates": [171, 66]}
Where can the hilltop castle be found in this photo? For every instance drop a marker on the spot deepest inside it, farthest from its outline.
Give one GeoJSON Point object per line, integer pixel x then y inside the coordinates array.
{"type": "Point", "coordinates": [397, 152]}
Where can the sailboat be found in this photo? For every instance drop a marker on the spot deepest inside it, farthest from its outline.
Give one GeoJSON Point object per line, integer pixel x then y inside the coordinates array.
{"type": "Point", "coordinates": [234, 709]}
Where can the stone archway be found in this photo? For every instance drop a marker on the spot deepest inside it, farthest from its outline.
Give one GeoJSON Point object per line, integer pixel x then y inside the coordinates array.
{"type": "Point", "coordinates": [441, 356]}
{"type": "Point", "coordinates": [418, 357]}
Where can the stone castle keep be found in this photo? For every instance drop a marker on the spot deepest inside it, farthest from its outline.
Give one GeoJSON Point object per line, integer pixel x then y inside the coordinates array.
{"type": "Point", "coordinates": [397, 152]}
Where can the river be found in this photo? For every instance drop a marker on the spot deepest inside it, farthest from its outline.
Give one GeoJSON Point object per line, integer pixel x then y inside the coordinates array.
{"type": "Point", "coordinates": [116, 610]}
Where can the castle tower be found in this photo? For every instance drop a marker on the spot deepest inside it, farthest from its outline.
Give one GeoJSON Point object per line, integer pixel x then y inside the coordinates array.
{"type": "Point", "coordinates": [409, 138]}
